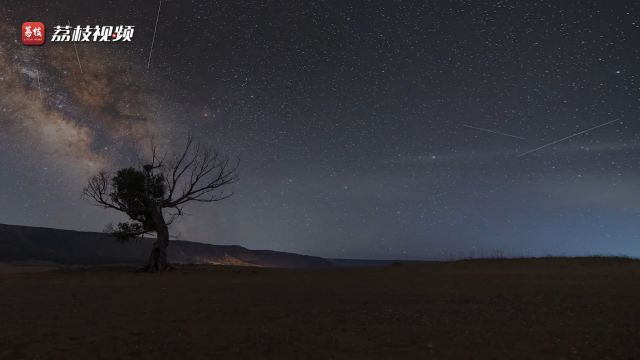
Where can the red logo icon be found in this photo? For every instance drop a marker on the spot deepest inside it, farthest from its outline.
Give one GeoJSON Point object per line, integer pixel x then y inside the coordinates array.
{"type": "Point", "coordinates": [33, 33]}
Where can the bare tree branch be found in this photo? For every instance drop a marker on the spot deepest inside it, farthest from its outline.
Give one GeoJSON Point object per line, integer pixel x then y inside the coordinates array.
{"type": "Point", "coordinates": [97, 191]}
{"type": "Point", "coordinates": [198, 174]}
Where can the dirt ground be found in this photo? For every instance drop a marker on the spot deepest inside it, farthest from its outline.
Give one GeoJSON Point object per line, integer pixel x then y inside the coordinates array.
{"type": "Point", "coordinates": [484, 309]}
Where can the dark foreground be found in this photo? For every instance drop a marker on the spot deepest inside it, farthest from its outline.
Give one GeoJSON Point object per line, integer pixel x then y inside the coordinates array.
{"type": "Point", "coordinates": [506, 309]}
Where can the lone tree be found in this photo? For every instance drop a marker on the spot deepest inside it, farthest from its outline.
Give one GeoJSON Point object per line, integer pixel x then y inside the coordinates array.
{"type": "Point", "coordinates": [197, 174]}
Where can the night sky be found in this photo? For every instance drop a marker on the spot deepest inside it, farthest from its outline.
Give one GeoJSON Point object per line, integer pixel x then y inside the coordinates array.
{"type": "Point", "coordinates": [358, 123]}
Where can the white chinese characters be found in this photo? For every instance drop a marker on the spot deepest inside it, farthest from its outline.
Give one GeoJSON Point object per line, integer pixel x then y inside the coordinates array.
{"type": "Point", "coordinates": [36, 31]}
{"type": "Point", "coordinates": [94, 33]}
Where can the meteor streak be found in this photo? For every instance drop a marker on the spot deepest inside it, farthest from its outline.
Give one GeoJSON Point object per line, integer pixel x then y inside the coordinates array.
{"type": "Point", "coordinates": [567, 138]}
{"type": "Point", "coordinates": [76, 49]}
{"type": "Point", "coordinates": [39, 88]}
{"type": "Point", "coordinates": [493, 131]}
{"type": "Point", "coordinates": [154, 34]}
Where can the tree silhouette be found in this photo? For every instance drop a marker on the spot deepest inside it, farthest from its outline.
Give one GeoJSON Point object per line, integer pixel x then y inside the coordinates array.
{"type": "Point", "coordinates": [197, 174]}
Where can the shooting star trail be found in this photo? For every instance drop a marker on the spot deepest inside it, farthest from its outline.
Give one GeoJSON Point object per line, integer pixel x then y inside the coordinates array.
{"type": "Point", "coordinates": [567, 138]}
{"type": "Point", "coordinates": [39, 88]}
{"type": "Point", "coordinates": [493, 131]}
{"type": "Point", "coordinates": [76, 49]}
{"type": "Point", "coordinates": [154, 34]}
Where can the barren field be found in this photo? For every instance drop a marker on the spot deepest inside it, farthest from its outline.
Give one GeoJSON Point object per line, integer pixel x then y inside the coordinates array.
{"type": "Point", "coordinates": [489, 309]}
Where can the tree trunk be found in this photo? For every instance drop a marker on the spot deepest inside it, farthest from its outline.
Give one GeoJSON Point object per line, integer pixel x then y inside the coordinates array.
{"type": "Point", "coordinates": [158, 258]}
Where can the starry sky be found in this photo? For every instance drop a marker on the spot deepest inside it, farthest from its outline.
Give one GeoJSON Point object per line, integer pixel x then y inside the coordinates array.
{"type": "Point", "coordinates": [366, 129]}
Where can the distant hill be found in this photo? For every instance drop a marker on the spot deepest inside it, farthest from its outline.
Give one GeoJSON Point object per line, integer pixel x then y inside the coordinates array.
{"type": "Point", "coordinates": [23, 243]}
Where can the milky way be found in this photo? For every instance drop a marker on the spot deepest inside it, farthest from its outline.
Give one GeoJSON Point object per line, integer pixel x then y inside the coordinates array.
{"type": "Point", "coordinates": [73, 114]}
{"type": "Point", "coordinates": [381, 129]}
